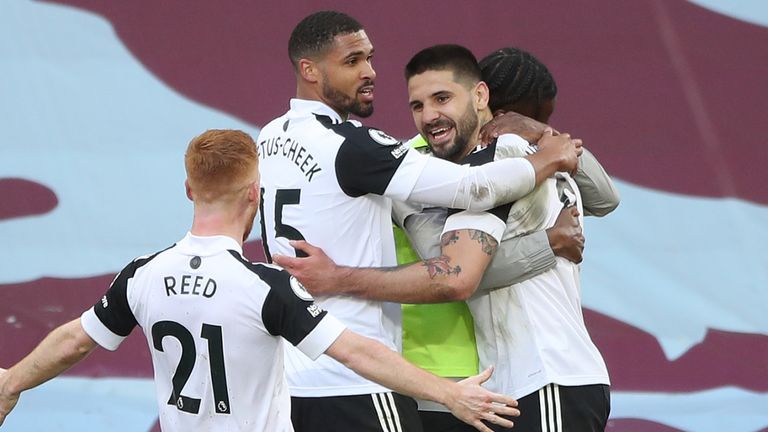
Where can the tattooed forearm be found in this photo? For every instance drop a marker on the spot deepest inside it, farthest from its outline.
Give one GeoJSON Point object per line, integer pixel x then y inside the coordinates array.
{"type": "Point", "coordinates": [487, 242]}
{"type": "Point", "coordinates": [440, 266]}
{"type": "Point", "coordinates": [388, 269]}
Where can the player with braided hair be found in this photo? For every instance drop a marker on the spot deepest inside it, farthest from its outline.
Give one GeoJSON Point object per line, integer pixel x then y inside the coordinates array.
{"type": "Point", "coordinates": [519, 82]}
{"type": "Point", "coordinates": [522, 98]}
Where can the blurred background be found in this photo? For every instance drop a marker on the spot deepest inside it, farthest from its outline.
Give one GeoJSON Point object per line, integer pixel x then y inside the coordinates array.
{"type": "Point", "coordinates": [98, 101]}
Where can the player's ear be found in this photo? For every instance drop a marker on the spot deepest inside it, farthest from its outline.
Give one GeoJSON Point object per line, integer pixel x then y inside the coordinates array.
{"type": "Point", "coordinates": [189, 190]}
{"type": "Point", "coordinates": [481, 95]}
{"type": "Point", "coordinates": [309, 70]}
{"type": "Point", "coordinates": [254, 192]}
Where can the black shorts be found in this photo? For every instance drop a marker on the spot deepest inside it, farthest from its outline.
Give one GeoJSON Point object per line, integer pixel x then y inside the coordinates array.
{"type": "Point", "coordinates": [556, 408]}
{"type": "Point", "coordinates": [438, 421]}
{"type": "Point", "coordinates": [379, 412]}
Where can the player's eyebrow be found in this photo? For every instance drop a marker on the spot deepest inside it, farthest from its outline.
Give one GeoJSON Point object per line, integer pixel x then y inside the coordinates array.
{"type": "Point", "coordinates": [438, 93]}
{"type": "Point", "coordinates": [359, 53]}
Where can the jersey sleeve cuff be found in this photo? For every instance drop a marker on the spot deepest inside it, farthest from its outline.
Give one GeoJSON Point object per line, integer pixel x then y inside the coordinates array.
{"type": "Point", "coordinates": [324, 334]}
{"type": "Point", "coordinates": [481, 221]}
{"type": "Point", "coordinates": [99, 332]}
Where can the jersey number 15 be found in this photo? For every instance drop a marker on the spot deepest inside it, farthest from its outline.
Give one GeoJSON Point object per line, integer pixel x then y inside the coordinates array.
{"type": "Point", "coordinates": [283, 197]}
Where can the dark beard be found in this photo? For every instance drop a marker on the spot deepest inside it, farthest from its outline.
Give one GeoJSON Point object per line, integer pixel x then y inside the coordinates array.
{"type": "Point", "coordinates": [345, 104]}
{"type": "Point", "coordinates": [464, 132]}
{"type": "Point", "coordinates": [465, 129]}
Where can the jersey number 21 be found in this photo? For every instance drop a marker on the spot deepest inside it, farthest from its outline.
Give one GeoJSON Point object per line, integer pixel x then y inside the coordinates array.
{"type": "Point", "coordinates": [212, 333]}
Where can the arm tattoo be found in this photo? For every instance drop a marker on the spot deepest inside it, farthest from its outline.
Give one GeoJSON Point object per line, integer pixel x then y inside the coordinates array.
{"type": "Point", "coordinates": [487, 242]}
{"type": "Point", "coordinates": [440, 266]}
{"type": "Point", "coordinates": [449, 238]}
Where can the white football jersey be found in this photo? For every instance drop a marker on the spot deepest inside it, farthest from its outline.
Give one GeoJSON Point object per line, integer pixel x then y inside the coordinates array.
{"type": "Point", "coordinates": [213, 322]}
{"type": "Point", "coordinates": [533, 332]}
{"type": "Point", "coordinates": [329, 182]}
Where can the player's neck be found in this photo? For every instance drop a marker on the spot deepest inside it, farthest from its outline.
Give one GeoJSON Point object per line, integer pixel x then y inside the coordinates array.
{"type": "Point", "coordinates": [310, 93]}
{"type": "Point", "coordinates": [484, 116]}
{"type": "Point", "coordinates": [212, 222]}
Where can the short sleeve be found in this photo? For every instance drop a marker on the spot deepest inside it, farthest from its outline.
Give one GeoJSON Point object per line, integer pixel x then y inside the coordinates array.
{"type": "Point", "coordinates": [111, 319]}
{"type": "Point", "coordinates": [289, 311]}
{"type": "Point", "coordinates": [487, 222]}
{"type": "Point", "coordinates": [323, 335]}
{"type": "Point", "coordinates": [99, 332]}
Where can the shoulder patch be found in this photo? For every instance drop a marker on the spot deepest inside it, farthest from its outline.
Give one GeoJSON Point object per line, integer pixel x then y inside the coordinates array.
{"type": "Point", "coordinates": [399, 151]}
{"type": "Point", "coordinates": [299, 289]}
{"type": "Point", "coordinates": [382, 138]}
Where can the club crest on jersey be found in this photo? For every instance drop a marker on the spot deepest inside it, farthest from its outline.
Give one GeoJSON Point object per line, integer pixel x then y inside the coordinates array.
{"type": "Point", "coordinates": [382, 138]}
{"type": "Point", "coordinates": [299, 290]}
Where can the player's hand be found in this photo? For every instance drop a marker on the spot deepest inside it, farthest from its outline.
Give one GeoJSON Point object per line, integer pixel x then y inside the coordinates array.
{"type": "Point", "coordinates": [566, 237]}
{"type": "Point", "coordinates": [512, 122]}
{"type": "Point", "coordinates": [563, 148]}
{"type": "Point", "coordinates": [473, 403]}
{"type": "Point", "coordinates": [7, 401]}
{"type": "Point", "coordinates": [317, 272]}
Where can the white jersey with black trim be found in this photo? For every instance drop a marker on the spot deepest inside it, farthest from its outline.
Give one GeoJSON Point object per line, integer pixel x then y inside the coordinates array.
{"type": "Point", "coordinates": [213, 322]}
{"type": "Point", "coordinates": [330, 182]}
{"type": "Point", "coordinates": [533, 331]}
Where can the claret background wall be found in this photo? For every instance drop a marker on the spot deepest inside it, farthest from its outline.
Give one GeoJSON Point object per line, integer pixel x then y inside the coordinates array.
{"type": "Point", "coordinates": [99, 99]}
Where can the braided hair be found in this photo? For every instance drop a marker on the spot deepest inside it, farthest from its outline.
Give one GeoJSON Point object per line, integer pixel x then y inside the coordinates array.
{"type": "Point", "coordinates": [516, 77]}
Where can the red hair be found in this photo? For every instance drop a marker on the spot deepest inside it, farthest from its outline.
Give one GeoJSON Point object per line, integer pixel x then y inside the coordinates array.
{"type": "Point", "coordinates": [220, 163]}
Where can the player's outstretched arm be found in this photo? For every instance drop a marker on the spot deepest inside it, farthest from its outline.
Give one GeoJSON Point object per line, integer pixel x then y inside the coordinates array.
{"type": "Point", "coordinates": [478, 188]}
{"type": "Point", "coordinates": [60, 350]}
{"type": "Point", "coordinates": [452, 276]}
{"type": "Point", "coordinates": [598, 193]}
{"type": "Point", "coordinates": [467, 400]}
{"type": "Point", "coordinates": [6, 403]}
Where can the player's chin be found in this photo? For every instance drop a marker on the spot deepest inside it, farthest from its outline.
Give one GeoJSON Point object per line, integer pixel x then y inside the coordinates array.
{"type": "Point", "coordinates": [363, 109]}
{"type": "Point", "coordinates": [442, 149]}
